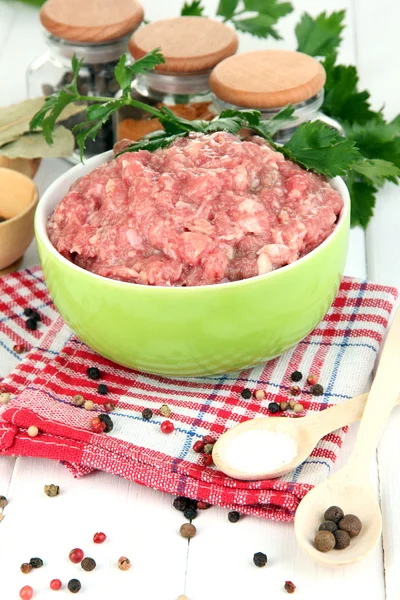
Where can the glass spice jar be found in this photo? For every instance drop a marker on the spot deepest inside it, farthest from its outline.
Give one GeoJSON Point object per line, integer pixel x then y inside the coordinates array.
{"type": "Point", "coordinates": [268, 80]}
{"type": "Point", "coordinates": [96, 32]}
{"type": "Point", "coordinates": [191, 46]}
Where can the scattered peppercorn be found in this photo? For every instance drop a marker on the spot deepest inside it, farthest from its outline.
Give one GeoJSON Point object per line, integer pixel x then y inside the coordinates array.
{"type": "Point", "coordinates": [208, 448]}
{"type": "Point", "coordinates": [203, 505]}
{"type": "Point", "coordinates": [187, 530]}
{"type": "Point", "coordinates": [198, 446]}
{"type": "Point", "coordinates": [192, 503]}
{"type": "Point", "coordinates": [109, 406]}
{"type": "Point", "coordinates": [19, 348]}
{"type": "Point", "coordinates": [28, 312]}
{"type": "Point", "coordinates": [292, 404]}
{"type": "Point", "coordinates": [259, 395]}
{"type": "Point", "coordinates": [78, 400]}
{"type": "Point", "coordinates": [233, 516]}
{"type": "Point", "coordinates": [167, 427]}
{"type": "Point", "coordinates": [180, 503]}
{"type": "Point", "coordinates": [246, 393]}
{"type": "Point", "coordinates": [209, 439]}
{"type": "Point", "coordinates": [55, 584]}
{"type": "Point", "coordinates": [36, 563]}
{"type": "Point", "coordinates": [51, 490]}
{"type": "Point", "coordinates": [93, 373]}
{"type": "Point", "coordinates": [102, 389]}
{"type": "Point", "coordinates": [106, 419]}
{"type": "Point", "coordinates": [295, 390]}
{"type": "Point", "coordinates": [190, 513]}
{"type": "Point", "coordinates": [74, 585]}
{"type": "Point", "coordinates": [283, 405]}
{"type": "Point", "coordinates": [290, 587]}
{"type": "Point", "coordinates": [342, 539]}
{"type": "Point", "coordinates": [3, 501]}
{"type": "Point", "coordinates": [124, 563]}
{"type": "Point", "coordinates": [89, 405]}
{"type": "Point", "coordinates": [328, 526]}
{"type": "Point", "coordinates": [97, 425]}
{"type": "Point", "coordinates": [88, 564]}
{"type": "Point", "coordinates": [207, 460]}
{"type": "Point", "coordinates": [324, 541]}
{"type": "Point", "coordinates": [32, 431]}
{"type": "Point", "coordinates": [26, 592]}
{"type": "Point", "coordinates": [147, 413]}
{"type": "Point", "coordinates": [296, 376]}
{"type": "Point", "coordinates": [31, 324]}
{"type": "Point", "coordinates": [333, 513]}
{"type": "Point", "coordinates": [165, 411]}
{"type": "Point", "coordinates": [4, 398]}
{"type": "Point", "coordinates": [26, 568]}
{"type": "Point", "coordinates": [76, 555]}
{"type": "Point", "coordinates": [298, 408]}
{"type": "Point", "coordinates": [312, 380]}
{"type": "Point", "coordinates": [317, 390]}
{"type": "Point", "coordinates": [273, 407]}
{"type": "Point", "coordinates": [99, 537]}
{"type": "Point", "coordinates": [260, 559]}
{"type": "Point", "coordinates": [351, 524]}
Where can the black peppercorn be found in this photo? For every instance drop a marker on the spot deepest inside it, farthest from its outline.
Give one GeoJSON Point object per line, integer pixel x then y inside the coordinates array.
{"type": "Point", "coordinates": [102, 389]}
{"type": "Point", "coordinates": [93, 373]}
{"type": "Point", "coordinates": [260, 559]}
{"type": "Point", "coordinates": [88, 564]}
{"type": "Point", "coordinates": [190, 513]}
{"type": "Point", "coordinates": [31, 324]}
{"type": "Point", "coordinates": [273, 407]}
{"type": "Point", "coordinates": [28, 312]}
{"type": "Point", "coordinates": [333, 513]}
{"type": "Point", "coordinates": [246, 394]}
{"type": "Point", "coordinates": [328, 526]}
{"type": "Point", "coordinates": [106, 419]}
{"type": "Point", "coordinates": [180, 503]}
{"type": "Point", "coordinates": [317, 390]}
{"type": "Point", "coordinates": [35, 315]}
{"type": "Point", "coordinates": [296, 376]}
{"type": "Point", "coordinates": [147, 413]}
{"type": "Point", "coordinates": [36, 563]}
{"type": "Point", "coordinates": [233, 516]}
{"type": "Point", "coordinates": [74, 585]}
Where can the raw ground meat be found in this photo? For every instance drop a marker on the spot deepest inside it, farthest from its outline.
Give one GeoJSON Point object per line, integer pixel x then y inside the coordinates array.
{"type": "Point", "coordinates": [207, 209]}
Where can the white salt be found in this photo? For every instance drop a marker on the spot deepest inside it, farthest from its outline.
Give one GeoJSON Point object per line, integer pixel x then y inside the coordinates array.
{"type": "Point", "coordinates": [260, 451]}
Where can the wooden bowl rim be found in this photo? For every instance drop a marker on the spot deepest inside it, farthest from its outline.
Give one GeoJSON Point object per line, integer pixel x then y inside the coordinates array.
{"type": "Point", "coordinates": [34, 201]}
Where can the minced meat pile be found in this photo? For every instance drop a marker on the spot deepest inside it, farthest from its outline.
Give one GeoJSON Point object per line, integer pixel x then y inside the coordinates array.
{"type": "Point", "coordinates": [208, 209]}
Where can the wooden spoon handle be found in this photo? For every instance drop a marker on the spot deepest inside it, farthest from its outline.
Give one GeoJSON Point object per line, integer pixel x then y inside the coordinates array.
{"type": "Point", "coordinates": [381, 399]}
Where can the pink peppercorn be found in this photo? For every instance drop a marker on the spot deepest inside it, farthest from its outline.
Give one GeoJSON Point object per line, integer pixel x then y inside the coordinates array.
{"type": "Point", "coordinates": [26, 592]}
{"type": "Point", "coordinates": [99, 538]}
{"type": "Point", "coordinates": [76, 555]}
{"type": "Point", "coordinates": [109, 406]}
{"type": "Point", "coordinates": [295, 390]}
{"type": "Point", "coordinates": [312, 379]}
{"type": "Point", "coordinates": [19, 348]}
{"type": "Point", "coordinates": [55, 584]}
{"type": "Point", "coordinates": [167, 427]}
{"type": "Point", "coordinates": [198, 446]}
{"type": "Point", "coordinates": [208, 439]}
{"type": "Point", "coordinates": [97, 425]}
{"type": "Point", "coordinates": [207, 459]}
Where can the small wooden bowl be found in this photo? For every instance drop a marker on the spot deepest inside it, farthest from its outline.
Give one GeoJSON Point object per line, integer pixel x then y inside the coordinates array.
{"type": "Point", "coordinates": [26, 166]}
{"type": "Point", "coordinates": [18, 200]}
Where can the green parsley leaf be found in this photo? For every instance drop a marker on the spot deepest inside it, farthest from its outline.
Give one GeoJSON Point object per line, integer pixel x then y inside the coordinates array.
{"type": "Point", "coordinates": [226, 8]}
{"type": "Point", "coordinates": [377, 171]}
{"type": "Point", "coordinates": [322, 149]}
{"type": "Point", "coordinates": [362, 196]}
{"type": "Point", "coordinates": [377, 139]}
{"type": "Point", "coordinates": [194, 9]}
{"type": "Point", "coordinates": [319, 36]}
{"type": "Point", "coordinates": [252, 117]}
{"type": "Point", "coordinates": [274, 8]}
{"type": "Point", "coordinates": [268, 128]}
{"type": "Point", "coordinates": [260, 26]}
{"type": "Point", "coordinates": [124, 74]}
{"type": "Point", "coordinates": [153, 141]}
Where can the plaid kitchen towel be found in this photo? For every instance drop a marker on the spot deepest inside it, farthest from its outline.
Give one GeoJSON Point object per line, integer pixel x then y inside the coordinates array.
{"type": "Point", "coordinates": [341, 351]}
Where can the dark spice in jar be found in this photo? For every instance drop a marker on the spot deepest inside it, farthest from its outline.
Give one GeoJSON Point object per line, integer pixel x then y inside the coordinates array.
{"type": "Point", "coordinates": [106, 419]}
{"type": "Point", "coordinates": [290, 587]}
{"type": "Point", "coordinates": [351, 524]}
{"type": "Point", "coordinates": [328, 526]}
{"type": "Point", "coordinates": [102, 389]}
{"type": "Point", "coordinates": [296, 376]}
{"type": "Point", "coordinates": [51, 490]}
{"type": "Point", "coordinates": [74, 585]}
{"type": "Point", "coordinates": [36, 563]}
{"type": "Point", "coordinates": [317, 390]}
{"type": "Point", "coordinates": [233, 516]}
{"type": "Point", "coordinates": [324, 541]}
{"type": "Point", "coordinates": [333, 513]}
{"type": "Point", "coordinates": [180, 503]}
{"type": "Point", "coordinates": [187, 530]}
{"type": "Point", "coordinates": [246, 393]}
{"type": "Point", "coordinates": [260, 559]}
{"type": "Point", "coordinates": [273, 407]}
{"type": "Point", "coordinates": [342, 539]}
{"type": "Point", "coordinates": [88, 564]}
{"type": "Point", "coordinates": [26, 568]}
{"type": "Point", "coordinates": [93, 373]}
{"type": "Point", "coordinates": [147, 413]}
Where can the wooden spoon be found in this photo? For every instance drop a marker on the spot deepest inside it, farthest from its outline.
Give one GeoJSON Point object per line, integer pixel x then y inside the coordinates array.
{"type": "Point", "coordinates": [350, 487]}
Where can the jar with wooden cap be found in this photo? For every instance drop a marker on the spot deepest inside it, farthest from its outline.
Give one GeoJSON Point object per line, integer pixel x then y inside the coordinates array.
{"type": "Point", "coordinates": [268, 80]}
{"type": "Point", "coordinates": [98, 32]}
{"type": "Point", "coordinates": [192, 47]}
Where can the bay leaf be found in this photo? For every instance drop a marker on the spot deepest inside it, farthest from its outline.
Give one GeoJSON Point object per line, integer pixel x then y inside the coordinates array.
{"type": "Point", "coordinates": [15, 119]}
{"type": "Point", "coordinates": [33, 145]}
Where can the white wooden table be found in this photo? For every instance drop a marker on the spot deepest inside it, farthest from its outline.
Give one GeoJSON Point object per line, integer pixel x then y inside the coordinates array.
{"type": "Point", "coordinates": [140, 522]}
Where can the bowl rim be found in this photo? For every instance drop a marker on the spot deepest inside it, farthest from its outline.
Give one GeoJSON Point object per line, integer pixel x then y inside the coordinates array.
{"type": "Point", "coordinates": [41, 233]}
{"type": "Point", "coordinates": [34, 201]}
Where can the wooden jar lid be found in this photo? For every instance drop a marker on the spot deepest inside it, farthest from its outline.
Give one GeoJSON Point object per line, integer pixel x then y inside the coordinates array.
{"type": "Point", "coordinates": [189, 44]}
{"type": "Point", "coordinates": [91, 21]}
{"type": "Point", "coordinates": [267, 78]}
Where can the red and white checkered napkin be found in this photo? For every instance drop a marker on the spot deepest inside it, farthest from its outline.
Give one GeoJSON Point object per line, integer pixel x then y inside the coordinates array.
{"type": "Point", "coordinates": [341, 351]}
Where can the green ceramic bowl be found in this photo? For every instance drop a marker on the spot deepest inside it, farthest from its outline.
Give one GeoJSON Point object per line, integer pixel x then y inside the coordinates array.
{"type": "Point", "coordinates": [192, 331]}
